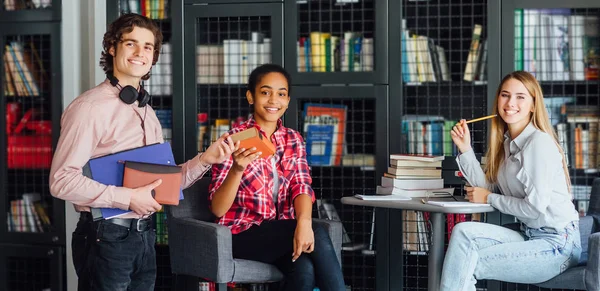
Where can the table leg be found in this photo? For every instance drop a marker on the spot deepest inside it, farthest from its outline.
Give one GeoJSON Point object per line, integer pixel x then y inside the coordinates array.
{"type": "Point", "coordinates": [390, 257]}
{"type": "Point", "coordinates": [436, 251]}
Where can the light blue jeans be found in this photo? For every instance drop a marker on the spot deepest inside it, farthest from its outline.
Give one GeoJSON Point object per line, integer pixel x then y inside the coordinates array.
{"type": "Point", "coordinates": [486, 251]}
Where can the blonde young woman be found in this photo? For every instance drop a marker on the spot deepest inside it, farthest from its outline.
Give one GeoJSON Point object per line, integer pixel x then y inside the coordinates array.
{"type": "Point", "coordinates": [526, 176]}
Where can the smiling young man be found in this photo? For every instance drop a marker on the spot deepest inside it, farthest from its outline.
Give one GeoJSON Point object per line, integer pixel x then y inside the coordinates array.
{"type": "Point", "coordinates": [118, 253]}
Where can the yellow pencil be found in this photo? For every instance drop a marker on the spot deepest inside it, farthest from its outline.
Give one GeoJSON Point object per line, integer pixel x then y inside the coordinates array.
{"type": "Point", "coordinates": [481, 118]}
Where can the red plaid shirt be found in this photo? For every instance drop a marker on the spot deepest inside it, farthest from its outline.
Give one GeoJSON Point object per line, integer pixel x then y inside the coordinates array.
{"type": "Point", "coordinates": [254, 200]}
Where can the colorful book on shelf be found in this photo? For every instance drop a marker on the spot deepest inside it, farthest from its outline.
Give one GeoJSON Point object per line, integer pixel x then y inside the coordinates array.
{"type": "Point", "coordinates": [252, 137]}
{"type": "Point", "coordinates": [109, 170]}
{"type": "Point", "coordinates": [333, 114]}
{"type": "Point", "coordinates": [320, 140]}
{"type": "Point", "coordinates": [473, 54]}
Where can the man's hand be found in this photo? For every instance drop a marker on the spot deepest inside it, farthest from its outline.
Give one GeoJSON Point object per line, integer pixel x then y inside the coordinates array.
{"type": "Point", "coordinates": [477, 194]}
{"type": "Point", "coordinates": [243, 157]}
{"type": "Point", "coordinates": [304, 238]}
{"type": "Point", "coordinates": [219, 151]}
{"type": "Point", "coordinates": [142, 202]}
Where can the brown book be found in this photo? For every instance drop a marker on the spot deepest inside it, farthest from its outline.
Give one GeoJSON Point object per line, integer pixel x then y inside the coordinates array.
{"type": "Point", "coordinates": [251, 137]}
{"type": "Point", "coordinates": [138, 174]}
{"type": "Point", "coordinates": [429, 172]}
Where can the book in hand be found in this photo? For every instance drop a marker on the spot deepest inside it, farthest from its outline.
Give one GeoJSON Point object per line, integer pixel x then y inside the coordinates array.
{"type": "Point", "coordinates": [252, 137]}
{"type": "Point", "coordinates": [108, 170]}
{"type": "Point", "coordinates": [382, 197]}
{"type": "Point", "coordinates": [138, 174]}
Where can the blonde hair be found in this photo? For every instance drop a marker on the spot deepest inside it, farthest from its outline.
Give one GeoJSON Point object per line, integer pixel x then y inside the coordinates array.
{"type": "Point", "coordinates": [539, 118]}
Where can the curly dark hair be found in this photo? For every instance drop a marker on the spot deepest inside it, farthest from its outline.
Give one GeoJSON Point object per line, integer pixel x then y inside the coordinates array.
{"type": "Point", "coordinates": [122, 25]}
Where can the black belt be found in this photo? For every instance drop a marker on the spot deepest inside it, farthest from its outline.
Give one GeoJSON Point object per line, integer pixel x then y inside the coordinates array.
{"type": "Point", "coordinates": [132, 223]}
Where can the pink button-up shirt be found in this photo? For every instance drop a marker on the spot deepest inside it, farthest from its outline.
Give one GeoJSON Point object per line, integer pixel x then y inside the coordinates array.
{"type": "Point", "coordinates": [95, 124]}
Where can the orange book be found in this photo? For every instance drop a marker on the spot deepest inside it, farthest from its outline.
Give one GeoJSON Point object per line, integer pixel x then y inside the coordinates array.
{"type": "Point", "coordinates": [138, 174]}
{"type": "Point", "coordinates": [251, 137]}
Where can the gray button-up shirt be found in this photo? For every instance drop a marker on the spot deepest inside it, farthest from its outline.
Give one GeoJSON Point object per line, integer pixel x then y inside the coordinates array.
{"type": "Point", "coordinates": [531, 180]}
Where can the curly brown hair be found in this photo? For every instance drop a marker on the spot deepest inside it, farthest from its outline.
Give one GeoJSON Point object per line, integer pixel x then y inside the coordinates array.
{"type": "Point", "coordinates": [123, 25]}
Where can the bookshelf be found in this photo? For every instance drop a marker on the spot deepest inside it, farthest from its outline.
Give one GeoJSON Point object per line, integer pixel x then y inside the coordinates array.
{"type": "Point", "coordinates": [429, 91]}
{"type": "Point", "coordinates": [377, 100]}
{"type": "Point", "coordinates": [349, 41]}
{"type": "Point", "coordinates": [568, 80]}
{"type": "Point", "coordinates": [227, 43]}
{"type": "Point", "coordinates": [209, 89]}
{"type": "Point", "coordinates": [365, 134]}
{"type": "Point", "coordinates": [30, 11]}
{"type": "Point", "coordinates": [32, 236]}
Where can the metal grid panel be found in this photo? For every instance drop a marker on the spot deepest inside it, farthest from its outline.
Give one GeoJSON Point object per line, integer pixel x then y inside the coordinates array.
{"type": "Point", "coordinates": [561, 47]}
{"type": "Point", "coordinates": [335, 36]}
{"type": "Point", "coordinates": [27, 91]}
{"type": "Point", "coordinates": [29, 273]}
{"type": "Point", "coordinates": [12, 5]}
{"type": "Point", "coordinates": [437, 40]}
{"type": "Point", "coordinates": [354, 173]}
{"type": "Point", "coordinates": [444, 80]}
{"type": "Point", "coordinates": [227, 50]}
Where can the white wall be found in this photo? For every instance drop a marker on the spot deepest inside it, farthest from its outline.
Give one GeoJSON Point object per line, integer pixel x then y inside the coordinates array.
{"type": "Point", "coordinates": [83, 25]}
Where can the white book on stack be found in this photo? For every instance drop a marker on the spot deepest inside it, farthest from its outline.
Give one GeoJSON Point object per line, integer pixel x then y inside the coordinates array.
{"type": "Point", "coordinates": [411, 184]}
{"type": "Point", "coordinates": [431, 193]}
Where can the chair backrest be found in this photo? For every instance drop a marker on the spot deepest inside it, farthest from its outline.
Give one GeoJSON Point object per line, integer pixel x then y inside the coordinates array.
{"type": "Point", "coordinates": [594, 207]}
{"type": "Point", "coordinates": [195, 203]}
{"type": "Point", "coordinates": [591, 222]}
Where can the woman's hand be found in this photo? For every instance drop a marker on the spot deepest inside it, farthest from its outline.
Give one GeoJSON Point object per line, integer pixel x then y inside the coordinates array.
{"type": "Point", "coordinates": [461, 136]}
{"type": "Point", "coordinates": [477, 194]}
{"type": "Point", "coordinates": [243, 157]}
{"type": "Point", "coordinates": [219, 151]}
{"type": "Point", "coordinates": [304, 238]}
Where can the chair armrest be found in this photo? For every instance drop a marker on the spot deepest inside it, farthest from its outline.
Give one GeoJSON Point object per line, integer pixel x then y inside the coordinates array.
{"type": "Point", "coordinates": [200, 248]}
{"type": "Point", "coordinates": [334, 229]}
{"type": "Point", "coordinates": [592, 269]}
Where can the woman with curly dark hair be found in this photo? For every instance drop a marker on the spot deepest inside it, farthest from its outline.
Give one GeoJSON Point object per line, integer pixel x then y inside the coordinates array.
{"type": "Point", "coordinates": [117, 253]}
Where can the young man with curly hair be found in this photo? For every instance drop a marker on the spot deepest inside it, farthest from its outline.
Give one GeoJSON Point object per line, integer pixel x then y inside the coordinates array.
{"type": "Point", "coordinates": [117, 253]}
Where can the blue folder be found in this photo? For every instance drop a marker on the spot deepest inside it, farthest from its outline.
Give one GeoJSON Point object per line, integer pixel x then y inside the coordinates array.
{"type": "Point", "coordinates": [109, 171]}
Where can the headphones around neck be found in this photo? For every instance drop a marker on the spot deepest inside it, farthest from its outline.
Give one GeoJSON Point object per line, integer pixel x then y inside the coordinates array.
{"type": "Point", "coordinates": [130, 94]}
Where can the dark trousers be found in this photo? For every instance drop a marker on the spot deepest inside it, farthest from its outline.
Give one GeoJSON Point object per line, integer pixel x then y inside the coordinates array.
{"type": "Point", "coordinates": [272, 243]}
{"type": "Point", "coordinates": [111, 257]}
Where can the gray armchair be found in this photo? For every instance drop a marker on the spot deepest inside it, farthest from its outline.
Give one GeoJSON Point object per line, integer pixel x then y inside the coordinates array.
{"type": "Point", "coordinates": [200, 248]}
{"type": "Point", "coordinates": [585, 276]}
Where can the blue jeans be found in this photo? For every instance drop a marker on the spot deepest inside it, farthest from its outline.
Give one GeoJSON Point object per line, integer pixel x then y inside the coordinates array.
{"type": "Point", "coordinates": [272, 243]}
{"type": "Point", "coordinates": [111, 257]}
{"type": "Point", "coordinates": [486, 251]}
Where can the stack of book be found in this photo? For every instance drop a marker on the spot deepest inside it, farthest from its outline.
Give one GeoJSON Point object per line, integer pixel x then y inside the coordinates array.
{"type": "Point", "coordinates": [413, 175]}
